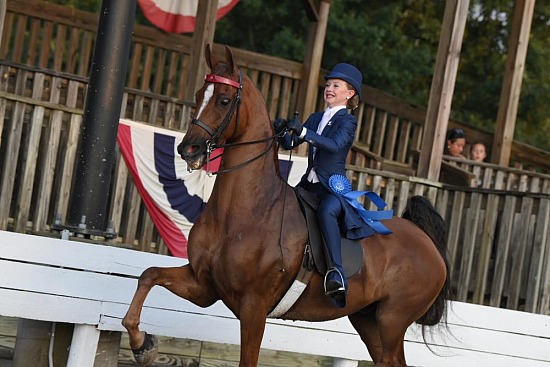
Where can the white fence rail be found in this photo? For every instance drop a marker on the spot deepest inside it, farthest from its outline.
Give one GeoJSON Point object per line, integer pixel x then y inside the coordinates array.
{"type": "Point", "coordinates": [91, 286]}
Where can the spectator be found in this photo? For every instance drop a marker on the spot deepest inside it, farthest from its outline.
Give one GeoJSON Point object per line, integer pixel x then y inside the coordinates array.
{"type": "Point", "coordinates": [456, 140]}
{"type": "Point", "coordinates": [478, 152]}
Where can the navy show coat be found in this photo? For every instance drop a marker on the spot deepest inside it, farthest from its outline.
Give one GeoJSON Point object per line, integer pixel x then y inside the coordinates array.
{"type": "Point", "coordinates": [332, 148]}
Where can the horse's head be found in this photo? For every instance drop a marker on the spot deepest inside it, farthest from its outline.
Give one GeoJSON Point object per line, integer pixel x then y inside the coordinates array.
{"type": "Point", "coordinates": [218, 103]}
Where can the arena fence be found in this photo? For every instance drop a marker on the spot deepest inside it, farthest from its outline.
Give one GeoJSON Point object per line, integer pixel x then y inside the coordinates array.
{"type": "Point", "coordinates": [91, 286]}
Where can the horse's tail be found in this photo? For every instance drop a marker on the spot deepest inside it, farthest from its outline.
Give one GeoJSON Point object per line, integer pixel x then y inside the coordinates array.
{"type": "Point", "coordinates": [421, 212]}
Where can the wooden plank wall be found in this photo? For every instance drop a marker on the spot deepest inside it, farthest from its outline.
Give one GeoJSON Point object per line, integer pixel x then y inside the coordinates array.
{"type": "Point", "coordinates": [499, 241]}
{"type": "Point", "coordinates": [388, 126]}
{"type": "Point", "coordinates": [159, 62]}
{"type": "Point", "coordinates": [42, 114]}
{"type": "Point", "coordinates": [492, 176]}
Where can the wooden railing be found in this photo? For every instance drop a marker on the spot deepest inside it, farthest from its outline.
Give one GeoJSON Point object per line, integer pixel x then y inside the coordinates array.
{"type": "Point", "coordinates": [492, 176]}
{"type": "Point", "coordinates": [499, 241]}
{"type": "Point", "coordinates": [389, 127]}
{"type": "Point", "coordinates": [51, 272]}
{"type": "Point", "coordinates": [41, 111]}
{"type": "Point", "coordinates": [159, 62]}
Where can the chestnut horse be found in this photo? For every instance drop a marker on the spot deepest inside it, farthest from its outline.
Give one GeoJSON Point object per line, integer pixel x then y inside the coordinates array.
{"type": "Point", "coordinates": [247, 247]}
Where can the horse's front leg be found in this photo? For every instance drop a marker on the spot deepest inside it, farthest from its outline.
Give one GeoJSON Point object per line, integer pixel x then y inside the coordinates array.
{"type": "Point", "coordinates": [252, 320]}
{"type": "Point", "coordinates": [180, 281]}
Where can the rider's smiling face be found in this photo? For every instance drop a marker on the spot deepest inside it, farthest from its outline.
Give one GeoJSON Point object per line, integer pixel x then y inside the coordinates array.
{"type": "Point", "coordinates": [337, 92]}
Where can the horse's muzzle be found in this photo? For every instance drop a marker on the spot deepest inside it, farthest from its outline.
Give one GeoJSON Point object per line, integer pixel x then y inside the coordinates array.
{"type": "Point", "coordinates": [193, 153]}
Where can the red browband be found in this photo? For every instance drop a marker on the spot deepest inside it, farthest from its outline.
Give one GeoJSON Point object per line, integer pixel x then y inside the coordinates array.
{"type": "Point", "coordinates": [220, 79]}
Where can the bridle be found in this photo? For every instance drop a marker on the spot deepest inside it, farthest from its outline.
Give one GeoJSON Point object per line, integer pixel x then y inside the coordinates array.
{"type": "Point", "coordinates": [212, 143]}
{"type": "Point", "coordinates": [235, 105]}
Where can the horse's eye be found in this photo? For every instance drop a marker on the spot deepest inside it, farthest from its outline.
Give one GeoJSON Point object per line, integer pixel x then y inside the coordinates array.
{"type": "Point", "coordinates": [225, 101]}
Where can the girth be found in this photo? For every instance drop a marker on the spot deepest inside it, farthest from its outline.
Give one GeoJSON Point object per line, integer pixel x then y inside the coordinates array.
{"type": "Point", "coordinates": [315, 255]}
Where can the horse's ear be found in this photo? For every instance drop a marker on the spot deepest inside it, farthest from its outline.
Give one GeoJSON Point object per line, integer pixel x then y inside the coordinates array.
{"type": "Point", "coordinates": [229, 58]}
{"type": "Point", "coordinates": [210, 57]}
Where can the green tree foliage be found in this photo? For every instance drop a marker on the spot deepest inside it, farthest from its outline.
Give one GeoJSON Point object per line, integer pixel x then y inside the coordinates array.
{"type": "Point", "coordinates": [394, 43]}
{"type": "Point", "coordinates": [482, 67]}
{"type": "Point", "coordinates": [387, 40]}
{"type": "Point", "coordinates": [383, 39]}
{"type": "Point", "coordinates": [272, 27]}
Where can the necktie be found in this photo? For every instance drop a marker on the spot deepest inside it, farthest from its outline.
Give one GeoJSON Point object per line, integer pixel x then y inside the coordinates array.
{"type": "Point", "coordinates": [312, 177]}
{"type": "Point", "coordinates": [324, 120]}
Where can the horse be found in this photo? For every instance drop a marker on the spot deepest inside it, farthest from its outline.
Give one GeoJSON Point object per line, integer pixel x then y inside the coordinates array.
{"type": "Point", "coordinates": [247, 247]}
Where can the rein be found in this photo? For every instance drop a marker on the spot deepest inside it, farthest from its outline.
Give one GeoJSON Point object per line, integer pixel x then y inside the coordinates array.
{"type": "Point", "coordinates": [229, 145]}
{"type": "Point", "coordinates": [211, 144]}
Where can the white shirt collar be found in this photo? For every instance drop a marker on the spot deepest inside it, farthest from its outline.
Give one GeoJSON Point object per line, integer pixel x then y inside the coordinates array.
{"type": "Point", "coordinates": [335, 109]}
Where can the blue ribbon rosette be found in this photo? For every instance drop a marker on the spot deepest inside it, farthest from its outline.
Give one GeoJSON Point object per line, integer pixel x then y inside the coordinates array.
{"type": "Point", "coordinates": [341, 185]}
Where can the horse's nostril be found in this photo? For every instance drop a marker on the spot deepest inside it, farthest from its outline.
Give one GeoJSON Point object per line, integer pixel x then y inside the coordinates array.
{"type": "Point", "coordinates": [180, 148]}
{"type": "Point", "coordinates": [189, 150]}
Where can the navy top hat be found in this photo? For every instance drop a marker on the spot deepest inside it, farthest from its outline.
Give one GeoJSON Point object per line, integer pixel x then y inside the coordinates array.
{"type": "Point", "coordinates": [348, 73]}
{"type": "Point", "coordinates": [454, 134]}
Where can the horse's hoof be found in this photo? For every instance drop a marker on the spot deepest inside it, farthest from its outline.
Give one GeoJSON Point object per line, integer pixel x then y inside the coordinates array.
{"type": "Point", "coordinates": [147, 353]}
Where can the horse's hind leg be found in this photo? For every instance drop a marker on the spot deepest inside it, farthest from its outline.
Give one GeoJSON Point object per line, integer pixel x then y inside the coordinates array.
{"type": "Point", "coordinates": [393, 318]}
{"type": "Point", "coordinates": [383, 331]}
{"type": "Point", "coordinates": [178, 280]}
{"type": "Point", "coordinates": [365, 325]}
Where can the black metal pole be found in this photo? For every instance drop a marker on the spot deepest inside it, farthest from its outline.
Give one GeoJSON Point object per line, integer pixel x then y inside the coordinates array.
{"type": "Point", "coordinates": [90, 194]}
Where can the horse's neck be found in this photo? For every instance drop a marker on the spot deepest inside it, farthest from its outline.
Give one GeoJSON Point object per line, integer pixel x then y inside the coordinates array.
{"type": "Point", "coordinates": [254, 183]}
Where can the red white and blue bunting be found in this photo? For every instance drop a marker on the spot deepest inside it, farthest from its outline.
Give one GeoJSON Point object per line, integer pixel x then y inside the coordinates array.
{"type": "Point", "coordinates": [178, 16]}
{"type": "Point", "coordinates": [173, 196]}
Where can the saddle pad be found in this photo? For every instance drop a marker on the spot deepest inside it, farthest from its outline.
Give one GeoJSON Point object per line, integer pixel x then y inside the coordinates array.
{"type": "Point", "coordinates": [352, 251]}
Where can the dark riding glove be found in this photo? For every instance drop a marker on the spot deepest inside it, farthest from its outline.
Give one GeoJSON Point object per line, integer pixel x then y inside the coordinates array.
{"type": "Point", "coordinates": [295, 125]}
{"type": "Point", "coordinates": [279, 125]}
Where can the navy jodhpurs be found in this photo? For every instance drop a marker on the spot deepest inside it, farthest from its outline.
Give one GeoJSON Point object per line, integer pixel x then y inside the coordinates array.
{"type": "Point", "coordinates": [330, 209]}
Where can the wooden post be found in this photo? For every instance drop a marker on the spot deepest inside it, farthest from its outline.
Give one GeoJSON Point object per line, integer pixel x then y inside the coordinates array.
{"type": "Point", "coordinates": [511, 86]}
{"type": "Point", "coordinates": [34, 339]}
{"type": "Point", "coordinates": [62, 341]}
{"type": "Point", "coordinates": [31, 346]}
{"type": "Point", "coordinates": [340, 362]}
{"type": "Point", "coordinates": [205, 27]}
{"type": "Point", "coordinates": [441, 93]}
{"type": "Point", "coordinates": [108, 348]}
{"type": "Point", "coordinates": [314, 54]}
{"type": "Point", "coordinates": [3, 6]}
{"type": "Point", "coordinates": [83, 346]}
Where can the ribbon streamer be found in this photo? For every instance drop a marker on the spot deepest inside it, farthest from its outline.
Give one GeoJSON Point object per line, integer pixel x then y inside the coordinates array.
{"type": "Point", "coordinates": [341, 185]}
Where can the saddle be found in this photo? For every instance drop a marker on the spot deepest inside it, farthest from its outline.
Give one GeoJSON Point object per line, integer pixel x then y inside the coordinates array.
{"type": "Point", "coordinates": [315, 254]}
{"type": "Point", "coordinates": [352, 251]}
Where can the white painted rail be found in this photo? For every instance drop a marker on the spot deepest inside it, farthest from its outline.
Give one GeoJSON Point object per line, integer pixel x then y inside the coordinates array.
{"type": "Point", "coordinates": [91, 286]}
